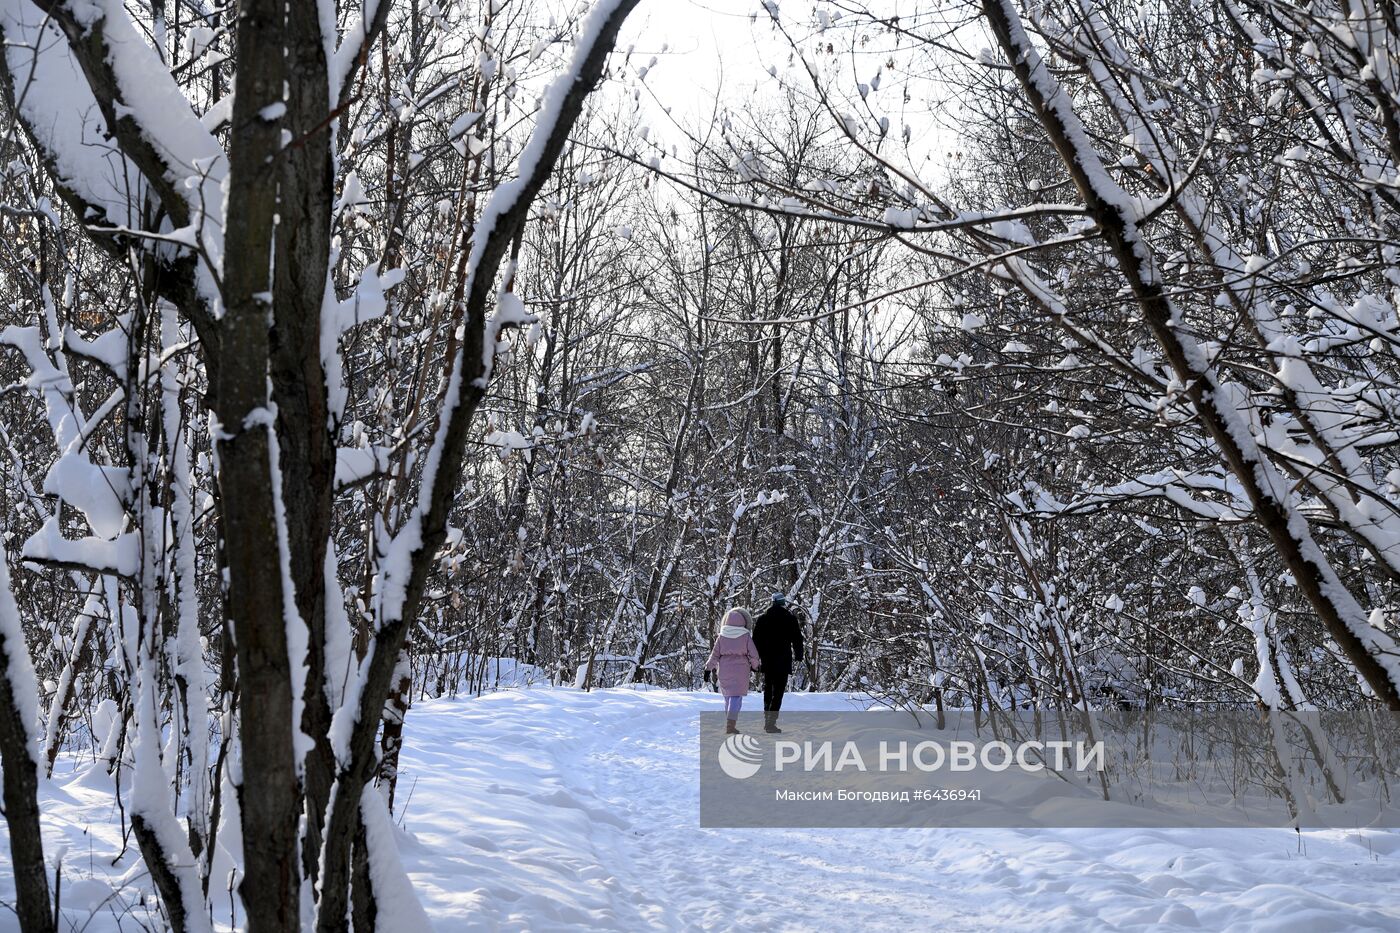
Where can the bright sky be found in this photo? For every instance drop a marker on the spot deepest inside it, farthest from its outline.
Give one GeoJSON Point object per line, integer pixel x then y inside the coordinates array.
{"type": "Point", "coordinates": [709, 49]}
{"type": "Point", "coordinates": [712, 47]}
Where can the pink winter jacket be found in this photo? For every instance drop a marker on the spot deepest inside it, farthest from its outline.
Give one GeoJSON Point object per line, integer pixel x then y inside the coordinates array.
{"type": "Point", "coordinates": [733, 658]}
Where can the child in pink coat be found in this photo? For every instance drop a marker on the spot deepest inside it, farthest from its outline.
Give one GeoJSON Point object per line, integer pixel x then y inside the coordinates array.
{"type": "Point", "coordinates": [734, 656]}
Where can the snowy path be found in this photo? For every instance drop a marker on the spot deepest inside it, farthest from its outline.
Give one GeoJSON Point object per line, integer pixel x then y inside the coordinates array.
{"type": "Point", "coordinates": [614, 802]}
{"type": "Point", "coordinates": [546, 809]}
{"type": "Point", "coordinates": [542, 810]}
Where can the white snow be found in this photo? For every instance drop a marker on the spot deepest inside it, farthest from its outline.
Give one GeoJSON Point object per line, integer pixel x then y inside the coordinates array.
{"type": "Point", "coordinates": [353, 464]}
{"type": "Point", "coordinates": [18, 669]}
{"type": "Point", "coordinates": [552, 809]}
{"type": "Point", "coordinates": [120, 556]}
{"type": "Point", "coordinates": [61, 107]}
{"type": "Point", "coordinates": [99, 492]}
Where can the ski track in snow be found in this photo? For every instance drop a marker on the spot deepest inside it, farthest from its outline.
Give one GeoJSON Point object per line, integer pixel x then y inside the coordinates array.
{"type": "Point", "coordinates": [552, 809]}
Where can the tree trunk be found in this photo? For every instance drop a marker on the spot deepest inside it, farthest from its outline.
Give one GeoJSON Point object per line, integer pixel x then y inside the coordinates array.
{"type": "Point", "coordinates": [269, 791]}
{"type": "Point", "coordinates": [303, 248]}
{"type": "Point", "coordinates": [20, 760]}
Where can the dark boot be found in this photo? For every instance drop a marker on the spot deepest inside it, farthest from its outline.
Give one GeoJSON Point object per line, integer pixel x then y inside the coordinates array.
{"type": "Point", "coordinates": [770, 722]}
{"type": "Point", "coordinates": [730, 728]}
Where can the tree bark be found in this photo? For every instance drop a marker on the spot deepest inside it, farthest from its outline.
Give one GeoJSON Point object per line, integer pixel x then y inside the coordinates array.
{"type": "Point", "coordinates": [306, 190]}
{"type": "Point", "coordinates": [20, 760]}
{"type": "Point", "coordinates": [269, 791]}
{"type": "Point", "coordinates": [22, 813]}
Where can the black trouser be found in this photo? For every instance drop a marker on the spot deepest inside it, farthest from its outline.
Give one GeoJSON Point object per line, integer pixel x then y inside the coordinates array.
{"type": "Point", "coordinates": [774, 684]}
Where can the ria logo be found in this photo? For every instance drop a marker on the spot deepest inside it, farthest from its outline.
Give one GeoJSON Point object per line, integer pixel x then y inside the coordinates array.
{"type": "Point", "coordinates": [740, 756]}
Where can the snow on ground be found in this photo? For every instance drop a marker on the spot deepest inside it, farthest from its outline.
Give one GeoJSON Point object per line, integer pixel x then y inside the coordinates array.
{"type": "Point", "coordinates": [553, 809]}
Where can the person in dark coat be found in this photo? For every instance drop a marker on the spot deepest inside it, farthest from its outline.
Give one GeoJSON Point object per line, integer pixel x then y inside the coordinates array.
{"type": "Point", "coordinates": [778, 636]}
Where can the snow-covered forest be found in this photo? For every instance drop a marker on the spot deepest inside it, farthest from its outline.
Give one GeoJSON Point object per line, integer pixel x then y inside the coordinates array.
{"type": "Point", "coordinates": [362, 353]}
